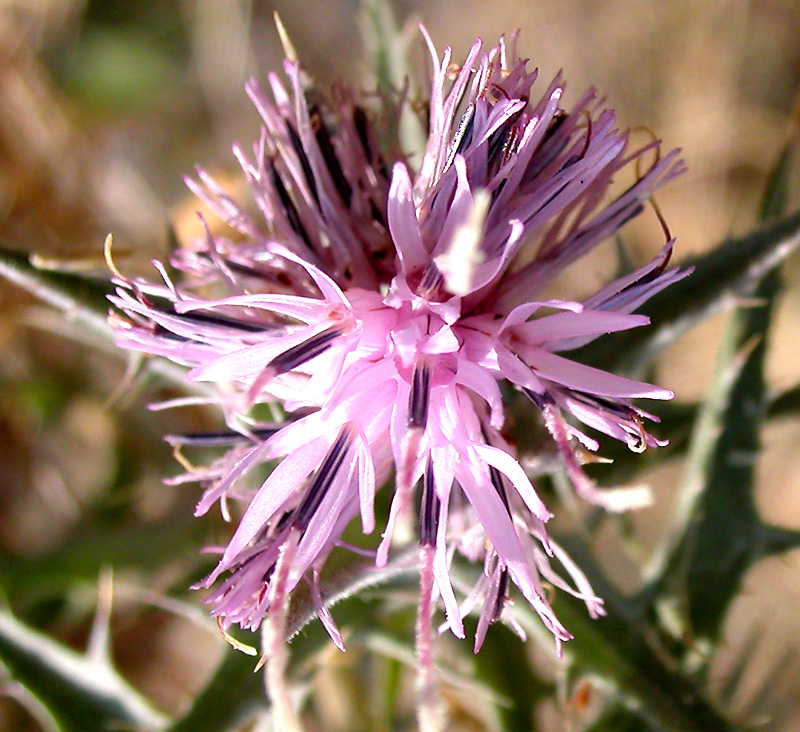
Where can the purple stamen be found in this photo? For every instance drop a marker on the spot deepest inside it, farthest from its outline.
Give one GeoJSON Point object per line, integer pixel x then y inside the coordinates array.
{"type": "Point", "coordinates": [323, 479]}
{"type": "Point", "coordinates": [300, 151]}
{"type": "Point", "coordinates": [329, 155]}
{"type": "Point", "coordinates": [289, 209]}
{"type": "Point", "coordinates": [305, 351]}
{"type": "Point", "coordinates": [429, 509]}
{"type": "Point", "coordinates": [419, 396]}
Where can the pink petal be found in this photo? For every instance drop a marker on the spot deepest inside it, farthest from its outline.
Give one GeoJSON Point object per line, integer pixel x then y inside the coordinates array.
{"type": "Point", "coordinates": [588, 379]}
{"type": "Point", "coordinates": [403, 222]}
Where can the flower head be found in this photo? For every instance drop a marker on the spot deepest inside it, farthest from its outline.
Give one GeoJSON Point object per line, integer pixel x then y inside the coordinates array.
{"type": "Point", "coordinates": [383, 307]}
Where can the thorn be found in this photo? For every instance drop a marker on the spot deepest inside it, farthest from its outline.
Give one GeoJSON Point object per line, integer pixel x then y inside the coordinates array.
{"type": "Point", "coordinates": [78, 265]}
{"type": "Point", "coordinates": [238, 645]}
{"type": "Point", "coordinates": [107, 246]}
{"type": "Point", "coordinates": [587, 457]}
{"type": "Point", "coordinates": [134, 368]}
{"type": "Point", "coordinates": [181, 459]}
{"type": "Point", "coordinates": [747, 349]}
{"type": "Point", "coordinates": [98, 647]}
{"type": "Point", "coordinates": [286, 43]}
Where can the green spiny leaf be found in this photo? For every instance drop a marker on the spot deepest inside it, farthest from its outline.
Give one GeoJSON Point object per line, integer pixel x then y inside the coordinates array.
{"type": "Point", "coordinates": [81, 299]}
{"type": "Point", "coordinates": [622, 647]}
{"type": "Point", "coordinates": [86, 551]}
{"type": "Point", "coordinates": [522, 688]}
{"type": "Point", "coordinates": [785, 403]}
{"type": "Point", "coordinates": [776, 195]}
{"type": "Point", "coordinates": [84, 303]}
{"type": "Point", "coordinates": [728, 271]}
{"type": "Point", "coordinates": [235, 690]}
{"type": "Point", "coordinates": [717, 533]}
{"type": "Point", "coordinates": [82, 694]}
{"type": "Point", "coordinates": [776, 539]}
{"type": "Point", "coordinates": [724, 539]}
{"type": "Point", "coordinates": [232, 693]}
{"type": "Point", "coordinates": [387, 47]}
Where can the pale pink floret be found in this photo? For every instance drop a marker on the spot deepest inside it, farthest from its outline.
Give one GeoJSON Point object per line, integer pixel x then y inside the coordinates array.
{"type": "Point", "coordinates": [350, 305]}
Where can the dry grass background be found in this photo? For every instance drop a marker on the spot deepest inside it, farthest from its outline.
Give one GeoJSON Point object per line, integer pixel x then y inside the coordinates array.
{"type": "Point", "coordinates": [104, 105]}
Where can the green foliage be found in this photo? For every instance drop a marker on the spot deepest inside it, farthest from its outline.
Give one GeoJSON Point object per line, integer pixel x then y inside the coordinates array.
{"type": "Point", "coordinates": [729, 271]}
{"type": "Point", "coordinates": [83, 694]}
{"type": "Point", "coordinates": [83, 554]}
{"type": "Point", "coordinates": [717, 533]}
{"type": "Point", "coordinates": [647, 675]}
{"type": "Point", "coordinates": [387, 48]}
{"type": "Point", "coordinates": [715, 537]}
{"type": "Point", "coordinates": [84, 303]}
{"type": "Point", "coordinates": [82, 300]}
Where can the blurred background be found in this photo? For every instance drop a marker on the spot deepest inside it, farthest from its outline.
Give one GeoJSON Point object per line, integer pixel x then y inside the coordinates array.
{"type": "Point", "coordinates": [106, 104]}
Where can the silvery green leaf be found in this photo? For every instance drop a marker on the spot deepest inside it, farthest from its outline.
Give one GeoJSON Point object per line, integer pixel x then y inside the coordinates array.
{"type": "Point", "coordinates": [81, 693]}
{"type": "Point", "coordinates": [82, 300]}
{"type": "Point", "coordinates": [622, 648]}
{"type": "Point", "coordinates": [716, 532]}
{"type": "Point", "coordinates": [235, 690]}
{"type": "Point", "coordinates": [387, 48]}
{"type": "Point", "coordinates": [723, 275]}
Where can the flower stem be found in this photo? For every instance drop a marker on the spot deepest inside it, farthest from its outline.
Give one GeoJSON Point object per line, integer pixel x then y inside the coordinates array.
{"type": "Point", "coordinates": [276, 653]}
{"type": "Point", "coordinates": [431, 715]}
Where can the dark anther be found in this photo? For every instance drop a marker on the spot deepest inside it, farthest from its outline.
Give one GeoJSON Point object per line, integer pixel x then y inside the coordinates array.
{"type": "Point", "coordinates": [497, 482]}
{"type": "Point", "coordinates": [210, 439]}
{"type": "Point", "coordinates": [555, 125]}
{"type": "Point", "coordinates": [305, 351]}
{"type": "Point", "coordinates": [196, 317]}
{"type": "Point", "coordinates": [503, 141]}
{"type": "Point", "coordinates": [165, 306]}
{"type": "Point", "coordinates": [429, 508]}
{"type": "Point", "coordinates": [377, 214]}
{"type": "Point", "coordinates": [162, 332]}
{"type": "Point", "coordinates": [243, 269]}
{"type": "Point", "coordinates": [323, 479]}
{"type": "Point", "coordinates": [165, 332]}
{"type": "Point", "coordinates": [497, 479]}
{"type": "Point", "coordinates": [632, 212]}
{"type": "Point", "coordinates": [289, 208]}
{"type": "Point", "coordinates": [299, 150]}
{"type": "Point", "coordinates": [431, 280]}
{"type": "Point", "coordinates": [282, 522]}
{"type": "Point", "coordinates": [463, 136]}
{"type": "Point", "coordinates": [361, 123]}
{"type": "Point", "coordinates": [500, 597]}
{"type": "Point", "coordinates": [419, 396]}
{"type": "Point", "coordinates": [540, 400]}
{"type": "Point", "coordinates": [606, 405]}
{"type": "Point", "coordinates": [329, 155]}
{"type": "Point", "coordinates": [547, 150]}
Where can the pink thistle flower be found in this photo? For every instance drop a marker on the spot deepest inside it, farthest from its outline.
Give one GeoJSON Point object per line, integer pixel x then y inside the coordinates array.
{"type": "Point", "coordinates": [382, 307]}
